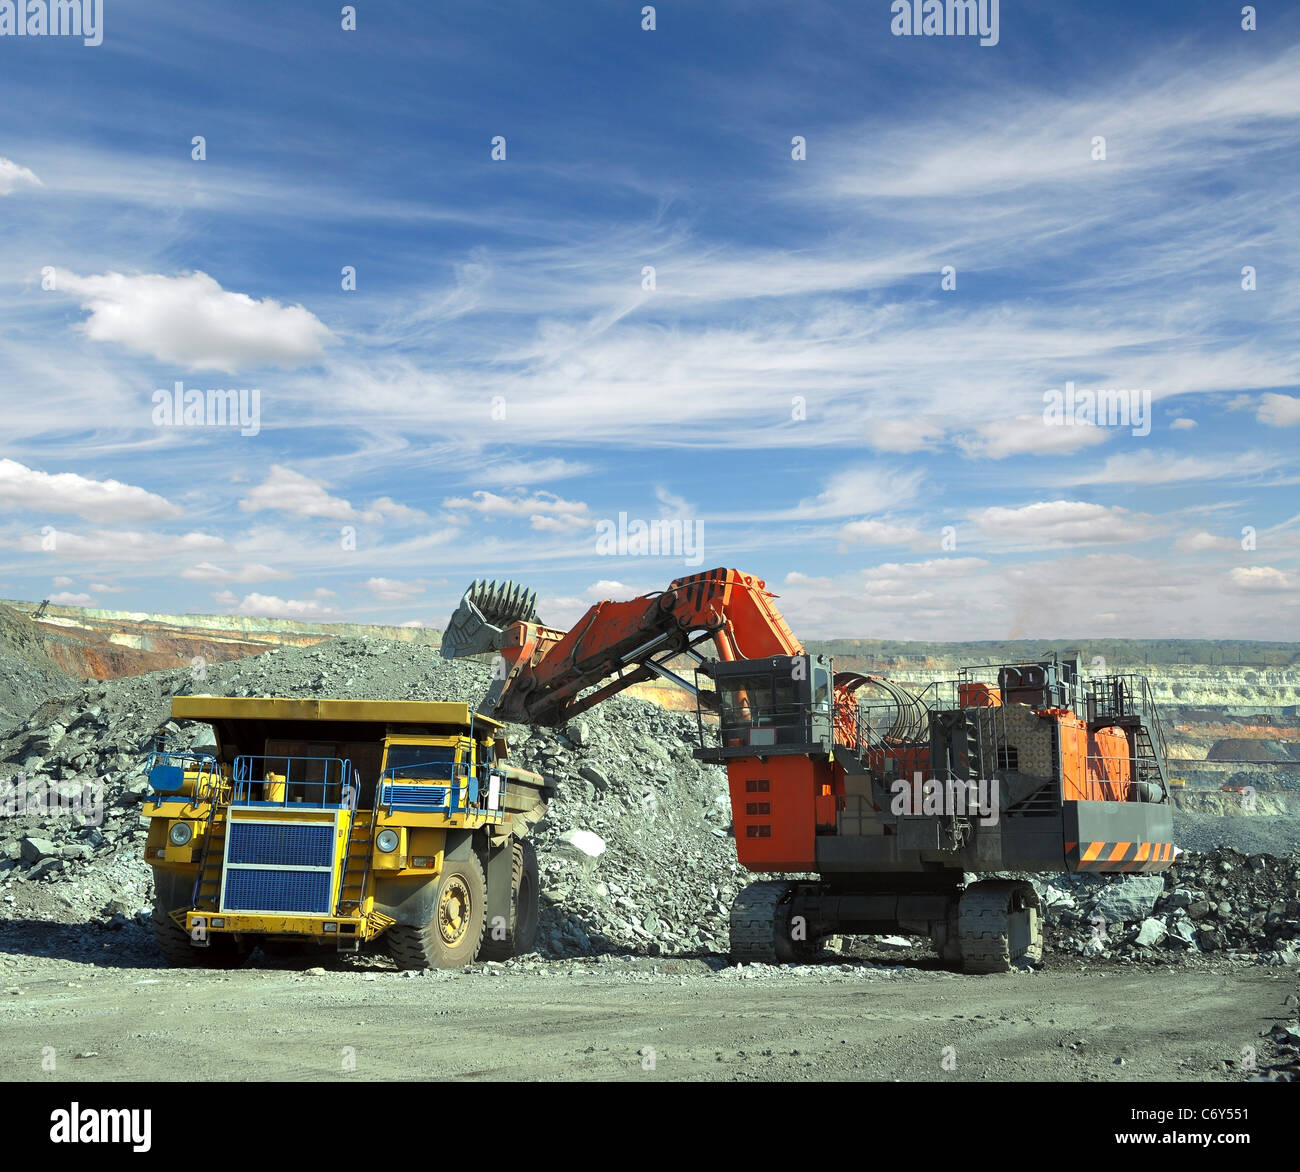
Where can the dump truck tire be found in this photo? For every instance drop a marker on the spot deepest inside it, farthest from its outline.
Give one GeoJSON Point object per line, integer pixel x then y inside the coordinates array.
{"type": "Point", "coordinates": [454, 933]}
{"type": "Point", "coordinates": [224, 952]}
{"type": "Point", "coordinates": [521, 932]}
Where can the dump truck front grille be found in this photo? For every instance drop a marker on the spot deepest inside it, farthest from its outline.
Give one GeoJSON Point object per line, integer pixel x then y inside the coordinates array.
{"type": "Point", "coordinates": [276, 844]}
{"type": "Point", "coordinates": [278, 891]}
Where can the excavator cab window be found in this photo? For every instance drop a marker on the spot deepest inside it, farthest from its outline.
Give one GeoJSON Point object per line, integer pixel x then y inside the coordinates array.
{"type": "Point", "coordinates": [764, 707]}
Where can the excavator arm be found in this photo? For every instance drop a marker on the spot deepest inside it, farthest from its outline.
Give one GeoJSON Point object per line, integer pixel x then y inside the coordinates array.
{"type": "Point", "coordinates": [541, 670]}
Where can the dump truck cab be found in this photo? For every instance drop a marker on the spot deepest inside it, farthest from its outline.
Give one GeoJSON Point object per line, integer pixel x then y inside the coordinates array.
{"type": "Point", "coordinates": [340, 823]}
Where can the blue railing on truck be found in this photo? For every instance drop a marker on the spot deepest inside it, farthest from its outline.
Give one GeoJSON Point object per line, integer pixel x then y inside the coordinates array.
{"type": "Point", "coordinates": [460, 791]}
{"type": "Point", "coordinates": [335, 783]}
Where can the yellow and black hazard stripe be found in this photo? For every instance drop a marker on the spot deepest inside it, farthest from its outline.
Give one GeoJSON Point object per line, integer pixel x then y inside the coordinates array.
{"type": "Point", "coordinates": [1119, 856]}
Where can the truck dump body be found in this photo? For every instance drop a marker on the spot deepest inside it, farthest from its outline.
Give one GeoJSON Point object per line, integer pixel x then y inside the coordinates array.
{"type": "Point", "coordinates": [335, 822]}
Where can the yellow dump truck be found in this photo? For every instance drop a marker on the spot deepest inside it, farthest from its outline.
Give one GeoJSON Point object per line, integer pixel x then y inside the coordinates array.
{"type": "Point", "coordinates": [337, 823]}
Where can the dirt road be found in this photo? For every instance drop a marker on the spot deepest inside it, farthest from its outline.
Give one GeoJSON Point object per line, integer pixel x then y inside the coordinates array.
{"type": "Point", "coordinates": [627, 1019]}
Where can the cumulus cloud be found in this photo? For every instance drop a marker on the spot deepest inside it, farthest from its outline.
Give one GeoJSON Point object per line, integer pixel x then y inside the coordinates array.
{"type": "Point", "coordinates": [1260, 580]}
{"type": "Point", "coordinates": [14, 177]}
{"type": "Point", "coordinates": [287, 491]}
{"type": "Point", "coordinates": [66, 598]}
{"type": "Point", "coordinates": [193, 322]}
{"type": "Point", "coordinates": [248, 572]}
{"type": "Point", "coordinates": [392, 590]}
{"type": "Point", "coordinates": [1182, 423]}
{"type": "Point", "coordinates": [28, 490]}
{"type": "Point", "coordinates": [902, 435]}
{"type": "Point", "coordinates": [1201, 541]}
{"type": "Point", "coordinates": [1059, 523]}
{"type": "Point", "coordinates": [1029, 435]}
{"type": "Point", "coordinates": [545, 511]}
{"type": "Point", "coordinates": [873, 532]}
{"type": "Point", "coordinates": [1279, 410]}
{"type": "Point", "coordinates": [270, 607]}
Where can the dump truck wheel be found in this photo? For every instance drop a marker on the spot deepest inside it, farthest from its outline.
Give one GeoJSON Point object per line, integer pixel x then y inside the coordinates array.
{"type": "Point", "coordinates": [1000, 927]}
{"type": "Point", "coordinates": [521, 932]}
{"type": "Point", "coordinates": [454, 933]}
{"type": "Point", "coordinates": [224, 952]}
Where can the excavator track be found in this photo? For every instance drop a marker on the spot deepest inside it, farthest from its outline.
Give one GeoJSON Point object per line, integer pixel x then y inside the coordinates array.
{"type": "Point", "coordinates": [999, 926]}
{"type": "Point", "coordinates": [760, 924]}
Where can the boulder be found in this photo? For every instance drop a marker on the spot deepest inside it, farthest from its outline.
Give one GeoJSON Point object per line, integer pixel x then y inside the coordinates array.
{"type": "Point", "coordinates": [33, 850]}
{"type": "Point", "coordinates": [1150, 934]}
{"type": "Point", "coordinates": [1131, 899]}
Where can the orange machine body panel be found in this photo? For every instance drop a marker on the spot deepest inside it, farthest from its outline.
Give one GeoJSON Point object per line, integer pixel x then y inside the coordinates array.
{"type": "Point", "coordinates": [1094, 768]}
{"type": "Point", "coordinates": [975, 695]}
{"type": "Point", "coordinates": [774, 810]}
{"type": "Point", "coordinates": [1110, 764]}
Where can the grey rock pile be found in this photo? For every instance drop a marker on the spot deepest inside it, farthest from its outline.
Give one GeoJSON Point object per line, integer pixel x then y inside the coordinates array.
{"type": "Point", "coordinates": [635, 853]}
{"type": "Point", "coordinates": [1222, 902]}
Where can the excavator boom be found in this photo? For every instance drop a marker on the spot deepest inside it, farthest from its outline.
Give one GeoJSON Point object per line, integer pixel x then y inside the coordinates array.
{"type": "Point", "coordinates": [542, 670]}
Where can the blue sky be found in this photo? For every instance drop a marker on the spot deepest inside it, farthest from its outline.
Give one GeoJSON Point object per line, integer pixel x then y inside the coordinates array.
{"type": "Point", "coordinates": [797, 383]}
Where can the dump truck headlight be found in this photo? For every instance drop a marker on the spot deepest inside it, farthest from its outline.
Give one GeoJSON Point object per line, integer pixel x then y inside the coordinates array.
{"type": "Point", "coordinates": [180, 833]}
{"type": "Point", "coordinates": [386, 841]}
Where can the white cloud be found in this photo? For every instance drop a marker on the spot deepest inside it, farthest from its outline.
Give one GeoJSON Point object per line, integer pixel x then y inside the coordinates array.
{"type": "Point", "coordinates": [872, 532]}
{"type": "Point", "coordinates": [545, 511]}
{"type": "Point", "coordinates": [287, 491]}
{"type": "Point", "coordinates": [607, 588]}
{"type": "Point", "coordinates": [64, 581]}
{"type": "Point", "coordinates": [936, 568]}
{"type": "Point", "coordinates": [392, 590]}
{"type": "Point", "coordinates": [1201, 541]}
{"type": "Point", "coordinates": [1279, 410]}
{"type": "Point", "coordinates": [1029, 435]}
{"type": "Point", "coordinates": [1182, 424]}
{"type": "Point", "coordinates": [1260, 580]}
{"type": "Point", "coordinates": [248, 572]}
{"type": "Point", "coordinates": [193, 322]}
{"type": "Point", "coordinates": [1168, 468]}
{"type": "Point", "coordinates": [902, 435]}
{"type": "Point", "coordinates": [14, 177]}
{"type": "Point", "coordinates": [23, 488]}
{"type": "Point", "coordinates": [520, 472]}
{"type": "Point", "coordinates": [856, 490]}
{"type": "Point", "coordinates": [1059, 523]}
{"type": "Point", "coordinates": [271, 607]}
{"type": "Point", "coordinates": [674, 507]}
{"type": "Point", "coordinates": [65, 598]}
{"type": "Point", "coordinates": [117, 545]}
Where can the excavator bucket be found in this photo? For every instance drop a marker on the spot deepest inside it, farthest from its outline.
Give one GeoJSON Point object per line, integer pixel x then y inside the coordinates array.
{"type": "Point", "coordinates": [485, 610]}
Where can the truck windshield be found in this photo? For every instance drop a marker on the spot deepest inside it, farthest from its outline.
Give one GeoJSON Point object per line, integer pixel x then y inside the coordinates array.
{"type": "Point", "coordinates": [433, 762]}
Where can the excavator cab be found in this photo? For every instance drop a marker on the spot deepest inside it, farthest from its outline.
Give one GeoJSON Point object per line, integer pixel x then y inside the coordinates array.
{"type": "Point", "coordinates": [779, 705]}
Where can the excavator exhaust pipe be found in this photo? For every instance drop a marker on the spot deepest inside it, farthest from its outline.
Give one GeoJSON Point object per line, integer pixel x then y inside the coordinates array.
{"type": "Point", "coordinates": [485, 610]}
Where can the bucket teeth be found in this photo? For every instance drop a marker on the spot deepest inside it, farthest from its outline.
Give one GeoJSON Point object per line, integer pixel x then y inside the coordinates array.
{"type": "Point", "coordinates": [485, 609]}
{"type": "Point", "coordinates": [502, 603]}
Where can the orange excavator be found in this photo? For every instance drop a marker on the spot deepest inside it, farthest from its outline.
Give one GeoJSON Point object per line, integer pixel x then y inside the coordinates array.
{"type": "Point", "coordinates": [890, 803]}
